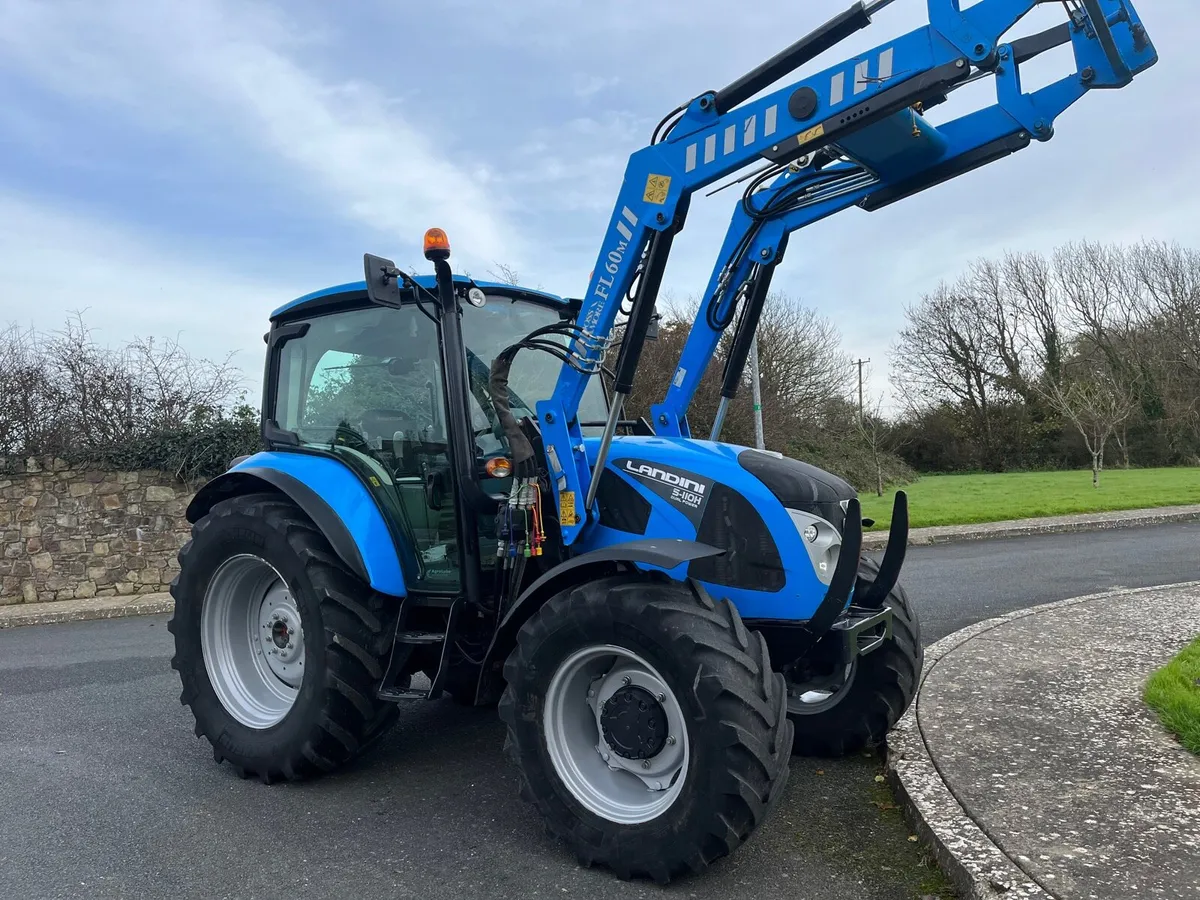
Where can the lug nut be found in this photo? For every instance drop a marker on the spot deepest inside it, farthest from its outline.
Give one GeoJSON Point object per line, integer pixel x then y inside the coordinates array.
{"type": "Point", "coordinates": [661, 697]}
{"type": "Point", "coordinates": [626, 680]}
{"type": "Point", "coordinates": [670, 739]}
{"type": "Point", "coordinates": [645, 763]}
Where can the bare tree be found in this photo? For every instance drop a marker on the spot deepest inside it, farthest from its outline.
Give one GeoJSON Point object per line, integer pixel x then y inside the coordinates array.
{"type": "Point", "coordinates": [802, 368]}
{"type": "Point", "coordinates": [945, 354]}
{"type": "Point", "coordinates": [879, 436]}
{"type": "Point", "coordinates": [1096, 403]}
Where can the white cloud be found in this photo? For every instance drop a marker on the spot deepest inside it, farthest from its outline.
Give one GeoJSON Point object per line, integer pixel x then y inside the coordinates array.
{"type": "Point", "coordinates": [227, 75]}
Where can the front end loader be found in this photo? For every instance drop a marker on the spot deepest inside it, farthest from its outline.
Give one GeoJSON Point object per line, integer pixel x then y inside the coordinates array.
{"type": "Point", "coordinates": [450, 502]}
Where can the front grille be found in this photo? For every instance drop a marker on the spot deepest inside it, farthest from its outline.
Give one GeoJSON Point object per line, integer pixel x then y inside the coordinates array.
{"type": "Point", "coordinates": [751, 559]}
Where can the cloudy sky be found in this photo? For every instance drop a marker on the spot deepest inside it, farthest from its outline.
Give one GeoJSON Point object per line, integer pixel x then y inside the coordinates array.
{"type": "Point", "coordinates": [183, 168]}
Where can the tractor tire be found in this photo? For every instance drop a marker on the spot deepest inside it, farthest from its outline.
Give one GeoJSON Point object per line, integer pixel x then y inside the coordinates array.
{"type": "Point", "coordinates": [880, 688]}
{"type": "Point", "coordinates": [274, 703]}
{"type": "Point", "coordinates": [702, 696]}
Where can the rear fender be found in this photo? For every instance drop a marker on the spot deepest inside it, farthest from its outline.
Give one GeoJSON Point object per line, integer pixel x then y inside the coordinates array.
{"type": "Point", "coordinates": [661, 556]}
{"type": "Point", "coordinates": [330, 494]}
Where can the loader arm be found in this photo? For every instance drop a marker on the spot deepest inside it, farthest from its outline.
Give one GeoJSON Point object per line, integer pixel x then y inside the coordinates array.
{"type": "Point", "coordinates": [853, 108]}
{"type": "Point", "coordinates": [873, 175]}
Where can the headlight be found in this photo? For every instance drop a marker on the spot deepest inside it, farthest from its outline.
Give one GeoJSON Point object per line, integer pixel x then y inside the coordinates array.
{"type": "Point", "coordinates": [821, 540]}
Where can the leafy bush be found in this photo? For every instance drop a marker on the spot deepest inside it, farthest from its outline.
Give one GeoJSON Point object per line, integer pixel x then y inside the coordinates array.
{"type": "Point", "coordinates": [198, 449]}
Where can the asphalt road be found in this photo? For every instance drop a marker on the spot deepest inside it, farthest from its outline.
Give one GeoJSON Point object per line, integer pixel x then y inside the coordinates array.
{"type": "Point", "coordinates": [105, 793]}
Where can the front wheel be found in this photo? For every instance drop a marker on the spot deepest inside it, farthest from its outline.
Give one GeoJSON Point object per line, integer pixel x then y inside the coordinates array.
{"type": "Point", "coordinates": [648, 727]}
{"type": "Point", "coordinates": [840, 708]}
{"type": "Point", "coordinates": [278, 646]}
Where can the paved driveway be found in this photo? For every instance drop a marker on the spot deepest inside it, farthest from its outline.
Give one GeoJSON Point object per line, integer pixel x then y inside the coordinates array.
{"type": "Point", "coordinates": [104, 793]}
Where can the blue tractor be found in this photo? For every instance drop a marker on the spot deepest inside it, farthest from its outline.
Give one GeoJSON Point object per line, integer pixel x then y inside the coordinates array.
{"type": "Point", "coordinates": [450, 502]}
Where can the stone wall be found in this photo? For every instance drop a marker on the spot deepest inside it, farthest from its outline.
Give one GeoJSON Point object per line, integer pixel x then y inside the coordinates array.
{"type": "Point", "coordinates": [67, 533]}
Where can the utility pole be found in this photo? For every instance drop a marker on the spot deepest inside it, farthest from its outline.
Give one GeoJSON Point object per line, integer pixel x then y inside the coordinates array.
{"type": "Point", "coordinates": [860, 389]}
{"type": "Point", "coordinates": [759, 440]}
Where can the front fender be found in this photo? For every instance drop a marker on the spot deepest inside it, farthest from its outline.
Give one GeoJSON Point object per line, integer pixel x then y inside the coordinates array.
{"type": "Point", "coordinates": [332, 496]}
{"type": "Point", "coordinates": [668, 555]}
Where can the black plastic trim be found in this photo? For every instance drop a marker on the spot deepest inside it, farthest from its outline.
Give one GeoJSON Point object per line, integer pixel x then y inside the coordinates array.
{"type": "Point", "coordinates": [664, 553]}
{"type": "Point", "coordinates": [799, 485]}
{"type": "Point", "coordinates": [323, 516]}
{"type": "Point", "coordinates": [269, 429]}
{"type": "Point", "coordinates": [622, 506]}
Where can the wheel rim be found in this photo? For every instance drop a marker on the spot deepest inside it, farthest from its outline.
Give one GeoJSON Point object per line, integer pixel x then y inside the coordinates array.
{"type": "Point", "coordinates": [605, 716]}
{"type": "Point", "coordinates": [252, 639]}
{"type": "Point", "coordinates": [820, 694]}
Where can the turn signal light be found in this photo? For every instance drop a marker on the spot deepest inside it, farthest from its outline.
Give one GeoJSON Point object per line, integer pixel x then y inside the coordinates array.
{"type": "Point", "coordinates": [436, 244]}
{"type": "Point", "coordinates": [499, 467]}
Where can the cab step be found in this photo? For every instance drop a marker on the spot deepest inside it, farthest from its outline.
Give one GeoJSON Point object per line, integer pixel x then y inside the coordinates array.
{"type": "Point", "coordinates": [393, 686]}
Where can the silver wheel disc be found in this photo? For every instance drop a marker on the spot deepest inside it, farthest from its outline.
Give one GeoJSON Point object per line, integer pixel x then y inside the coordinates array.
{"type": "Point", "coordinates": [615, 787]}
{"type": "Point", "coordinates": [252, 641]}
{"type": "Point", "coordinates": [817, 696]}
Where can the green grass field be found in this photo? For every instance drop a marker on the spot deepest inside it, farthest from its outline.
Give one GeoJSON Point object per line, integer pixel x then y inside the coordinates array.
{"type": "Point", "coordinates": [967, 499]}
{"type": "Point", "coordinates": [1174, 693]}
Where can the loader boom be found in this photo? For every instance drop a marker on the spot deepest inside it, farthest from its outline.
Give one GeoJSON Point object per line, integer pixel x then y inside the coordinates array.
{"type": "Point", "coordinates": [831, 141]}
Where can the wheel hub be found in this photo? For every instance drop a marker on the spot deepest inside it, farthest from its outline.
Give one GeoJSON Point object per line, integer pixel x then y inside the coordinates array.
{"type": "Point", "coordinates": [633, 723]}
{"type": "Point", "coordinates": [616, 734]}
{"type": "Point", "coordinates": [281, 635]}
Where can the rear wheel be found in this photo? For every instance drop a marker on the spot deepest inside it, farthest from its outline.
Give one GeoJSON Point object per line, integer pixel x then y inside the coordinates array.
{"type": "Point", "coordinates": [839, 708]}
{"type": "Point", "coordinates": [648, 727]}
{"type": "Point", "coordinates": [279, 647]}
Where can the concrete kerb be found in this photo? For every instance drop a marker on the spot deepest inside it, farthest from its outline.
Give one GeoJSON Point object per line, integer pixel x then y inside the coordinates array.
{"type": "Point", "coordinates": [979, 869]}
{"type": "Point", "coordinates": [59, 611]}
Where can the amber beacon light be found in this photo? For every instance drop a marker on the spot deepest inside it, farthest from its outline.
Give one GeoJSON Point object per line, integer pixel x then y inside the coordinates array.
{"type": "Point", "coordinates": [437, 245]}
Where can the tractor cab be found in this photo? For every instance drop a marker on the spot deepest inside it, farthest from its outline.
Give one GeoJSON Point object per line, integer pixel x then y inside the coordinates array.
{"type": "Point", "coordinates": [365, 383]}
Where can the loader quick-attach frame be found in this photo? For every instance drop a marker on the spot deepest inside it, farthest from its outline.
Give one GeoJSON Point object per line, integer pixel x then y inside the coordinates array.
{"type": "Point", "coordinates": [833, 141]}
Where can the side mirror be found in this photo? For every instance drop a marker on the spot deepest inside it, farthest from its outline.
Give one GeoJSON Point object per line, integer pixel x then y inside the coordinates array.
{"type": "Point", "coordinates": [383, 280]}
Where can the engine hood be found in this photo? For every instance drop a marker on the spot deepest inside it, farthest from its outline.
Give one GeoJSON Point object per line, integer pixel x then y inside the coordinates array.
{"type": "Point", "coordinates": [796, 485]}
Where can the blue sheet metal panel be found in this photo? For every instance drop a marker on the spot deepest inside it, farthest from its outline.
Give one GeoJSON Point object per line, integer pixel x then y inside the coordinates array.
{"type": "Point", "coordinates": [352, 502]}
{"type": "Point", "coordinates": [802, 591]}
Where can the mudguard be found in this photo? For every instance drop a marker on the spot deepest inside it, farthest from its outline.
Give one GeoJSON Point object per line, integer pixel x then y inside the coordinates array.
{"type": "Point", "coordinates": [664, 554]}
{"type": "Point", "coordinates": [331, 495]}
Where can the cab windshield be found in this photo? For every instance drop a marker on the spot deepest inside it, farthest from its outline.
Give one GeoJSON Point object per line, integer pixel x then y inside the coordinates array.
{"type": "Point", "coordinates": [377, 372]}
